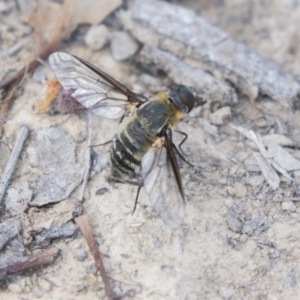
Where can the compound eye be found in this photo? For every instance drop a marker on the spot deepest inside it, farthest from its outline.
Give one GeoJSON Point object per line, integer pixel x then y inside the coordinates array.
{"type": "Point", "coordinates": [188, 99]}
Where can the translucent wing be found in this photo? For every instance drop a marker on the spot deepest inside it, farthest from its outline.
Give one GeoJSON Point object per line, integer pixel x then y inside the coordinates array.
{"type": "Point", "coordinates": [161, 183]}
{"type": "Point", "coordinates": [93, 88]}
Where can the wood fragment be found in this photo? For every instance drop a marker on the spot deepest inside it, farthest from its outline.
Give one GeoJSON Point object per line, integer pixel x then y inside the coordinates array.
{"type": "Point", "coordinates": [27, 263]}
{"type": "Point", "coordinates": [86, 230]}
{"type": "Point", "coordinates": [206, 86]}
{"type": "Point", "coordinates": [270, 175]}
{"type": "Point", "coordinates": [263, 158]}
{"type": "Point", "coordinates": [11, 164]}
{"type": "Point", "coordinates": [276, 156]}
{"type": "Point", "coordinates": [190, 36]}
{"type": "Point", "coordinates": [251, 135]}
{"type": "Point", "coordinates": [283, 158]}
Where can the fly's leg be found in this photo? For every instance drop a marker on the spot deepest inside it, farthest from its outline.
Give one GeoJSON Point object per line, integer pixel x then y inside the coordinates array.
{"type": "Point", "coordinates": [138, 183]}
{"type": "Point", "coordinates": [181, 156]}
{"type": "Point", "coordinates": [184, 139]}
{"type": "Point", "coordinates": [105, 143]}
{"type": "Point", "coordinates": [136, 199]}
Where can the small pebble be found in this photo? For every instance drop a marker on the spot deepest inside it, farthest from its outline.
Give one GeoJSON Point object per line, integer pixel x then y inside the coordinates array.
{"type": "Point", "coordinates": [38, 293]}
{"type": "Point", "coordinates": [97, 37]}
{"type": "Point", "coordinates": [122, 45]}
{"type": "Point", "coordinates": [101, 191]}
{"type": "Point", "coordinates": [92, 269]}
{"type": "Point", "coordinates": [40, 75]}
{"type": "Point", "coordinates": [81, 254]}
{"type": "Point", "coordinates": [221, 116]}
{"type": "Point", "coordinates": [243, 238]}
{"type": "Point", "coordinates": [15, 288]}
{"type": "Point", "coordinates": [44, 284]}
{"type": "Point", "coordinates": [234, 223]}
{"type": "Point", "coordinates": [240, 190]}
{"type": "Point", "coordinates": [288, 206]}
{"type": "Point", "coordinates": [229, 202]}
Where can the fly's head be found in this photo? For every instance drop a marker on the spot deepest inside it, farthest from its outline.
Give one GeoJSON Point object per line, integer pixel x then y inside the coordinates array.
{"type": "Point", "coordinates": [182, 96]}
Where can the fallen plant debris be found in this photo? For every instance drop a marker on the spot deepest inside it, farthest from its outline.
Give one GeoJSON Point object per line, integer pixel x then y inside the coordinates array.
{"type": "Point", "coordinates": [86, 230]}
{"type": "Point", "coordinates": [11, 164]}
{"type": "Point", "coordinates": [27, 263]}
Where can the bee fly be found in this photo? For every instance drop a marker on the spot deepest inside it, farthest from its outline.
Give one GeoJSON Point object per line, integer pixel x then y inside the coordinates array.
{"type": "Point", "coordinates": [142, 147]}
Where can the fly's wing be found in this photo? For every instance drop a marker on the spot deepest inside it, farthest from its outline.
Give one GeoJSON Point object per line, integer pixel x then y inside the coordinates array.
{"type": "Point", "coordinates": [93, 88]}
{"type": "Point", "coordinates": [160, 180]}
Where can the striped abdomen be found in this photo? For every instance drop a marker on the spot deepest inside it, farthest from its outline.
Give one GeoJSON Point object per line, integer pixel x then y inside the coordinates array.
{"type": "Point", "coordinates": [136, 136]}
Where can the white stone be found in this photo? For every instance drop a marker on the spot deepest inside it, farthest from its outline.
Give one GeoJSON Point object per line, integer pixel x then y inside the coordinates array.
{"type": "Point", "coordinates": [97, 37]}
{"type": "Point", "coordinates": [289, 206]}
{"type": "Point", "coordinates": [15, 288]}
{"type": "Point", "coordinates": [122, 45]}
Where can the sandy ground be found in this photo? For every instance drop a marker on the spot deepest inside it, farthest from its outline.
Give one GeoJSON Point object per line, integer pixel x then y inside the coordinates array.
{"type": "Point", "coordinates": [239, 240]}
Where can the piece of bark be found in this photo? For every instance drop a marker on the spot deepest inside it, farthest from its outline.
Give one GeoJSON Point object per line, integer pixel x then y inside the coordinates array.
{"type": "Point", "coordinates": [184, 33]}
{"type": "Point", "coordinates": [270, 175]}
{"type": "Point", "coordinates": [206, 86]}
{"type": "Point", "coordinates": [282, 157]}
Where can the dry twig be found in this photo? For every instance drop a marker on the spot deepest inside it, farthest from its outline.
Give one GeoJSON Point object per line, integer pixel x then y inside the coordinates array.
{"type": "Point", "coordinates": [27, 263]}
{"type": "Point", "coordinates": [86, 230]}
{"type": "Point", "coordinates": [11, 164]}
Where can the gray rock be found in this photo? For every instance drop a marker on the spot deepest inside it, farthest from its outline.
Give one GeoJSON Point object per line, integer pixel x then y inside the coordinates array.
{"type": "Point", "coordinates": [54, 154]}
{"type": "Point", "coordinates": [122, 45]}
{"type": "Point", "coordinates": [8, 230]}
{"type": "Point", "coordinates": [291, 279]}
{"type": "Point", "coordinates": [97, 37]}
{"type": "Point", "coordinates": [44, 239]}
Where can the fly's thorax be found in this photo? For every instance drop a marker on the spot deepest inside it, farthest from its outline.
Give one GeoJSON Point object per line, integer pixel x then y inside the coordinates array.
{"type": "Point", "coordinates": [157, 114]}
